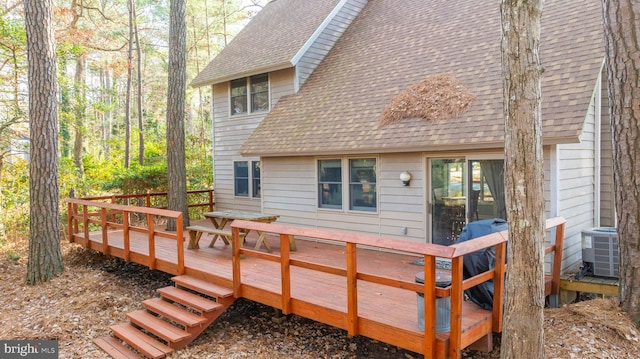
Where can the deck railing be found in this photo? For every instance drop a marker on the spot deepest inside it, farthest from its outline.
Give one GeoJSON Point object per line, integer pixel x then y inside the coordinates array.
{"type": "Point", "coordinates": [87, 217]}
{"type": "Point", "coordinates": [196, 199]}
{"type": "Point", "coordinates": [429, 252]}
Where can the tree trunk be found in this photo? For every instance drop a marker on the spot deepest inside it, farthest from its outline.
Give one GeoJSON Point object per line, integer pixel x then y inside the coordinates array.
{"type": "Point", "coordinates": [622, 63]}
{"type": "Point", "coordinates": [523, 335]}
{"type": "Point", "coordinates": [127, 105]}
{"type": "Point", "coordinates": [65, 108]}
{"type": "Point", "coordinates": [45, 258]}
{"type": "Point", "coordinates": [79, 114]}
{"type": "Point", "coordinates": [139, 96]}
{"type": "Point", "coordinates": [176, 167]}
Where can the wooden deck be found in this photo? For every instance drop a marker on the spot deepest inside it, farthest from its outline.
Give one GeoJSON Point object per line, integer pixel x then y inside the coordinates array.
{"type": "Point", "coordinates": [396, 308]}
{"type": "Point", "coordinates": [358, 283]}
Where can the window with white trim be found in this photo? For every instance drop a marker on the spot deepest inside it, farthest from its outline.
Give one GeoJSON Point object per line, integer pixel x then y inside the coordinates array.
{"type": "Point", "coordinates": [330, 183]}
{"type": "Point", "coordinates": [246, 179]}
{"type": "Point", "coordinates": [249, 94]}
{"type": "Point", "coordinates": [361, 177]}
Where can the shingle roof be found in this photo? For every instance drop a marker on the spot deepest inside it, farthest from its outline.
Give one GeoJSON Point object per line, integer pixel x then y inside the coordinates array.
{"type": "Point", "coordinates": [394, 44]}
{"type": "Point", "coordinates": [268, 42]}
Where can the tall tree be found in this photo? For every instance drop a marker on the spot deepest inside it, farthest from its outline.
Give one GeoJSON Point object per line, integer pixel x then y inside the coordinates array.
{"type": "Point", "coordinates": [176, 97]}
{"type": "Point", "coordinates": [523, 335]}
{"type": "Point", "coordinates": [622, 25]}
{"type": "Point", "coordinates": [127, 105]}
{"type": "Point", "coordinates": [45, 258]}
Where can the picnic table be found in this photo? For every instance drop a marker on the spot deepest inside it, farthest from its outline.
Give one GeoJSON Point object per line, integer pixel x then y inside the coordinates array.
{"type": "Point", "coordinates": [219, 219]}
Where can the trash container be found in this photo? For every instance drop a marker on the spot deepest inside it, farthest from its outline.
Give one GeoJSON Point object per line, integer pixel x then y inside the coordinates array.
{"type": "Point", "coordinates": [443, 306]}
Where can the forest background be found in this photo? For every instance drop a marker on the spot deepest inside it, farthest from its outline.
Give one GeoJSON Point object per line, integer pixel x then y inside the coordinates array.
{"type": "Point", "coordinates": [112, 76]}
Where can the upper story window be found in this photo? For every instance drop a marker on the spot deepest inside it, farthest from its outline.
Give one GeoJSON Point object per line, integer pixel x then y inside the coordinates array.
{"type": "Point", "coordinates": [250, 94]}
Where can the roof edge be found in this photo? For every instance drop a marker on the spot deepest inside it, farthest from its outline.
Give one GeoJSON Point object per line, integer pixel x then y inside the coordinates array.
{"type": "Point", "coordinates": [327, 20]}
{"type": "Point", "coordinates": [257, 71]}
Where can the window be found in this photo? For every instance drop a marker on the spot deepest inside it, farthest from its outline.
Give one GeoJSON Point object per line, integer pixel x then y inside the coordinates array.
{"type": "Point", "coordinates": [242, 177]}
{"type": "Point", "coordinates": [362, 184]}
{"type": "Point", "coordinates": [255, 174]}
{"type": "Point", "coordinates": [361, 177]}
{"type": "Point", "coordinates": [239, 96]}
{"type": "Point", "coordinates": [330, 184]}
{"type": "Point", "coordinates": [259, 93]}
{"type": "Point", "coordinates": [250, 94]}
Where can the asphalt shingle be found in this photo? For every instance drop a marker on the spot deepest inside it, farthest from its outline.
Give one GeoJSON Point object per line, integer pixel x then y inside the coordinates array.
{"type": "Point", "coordinates": [394, 44]}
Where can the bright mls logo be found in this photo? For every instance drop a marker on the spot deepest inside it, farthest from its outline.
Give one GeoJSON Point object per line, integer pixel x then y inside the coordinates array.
{"type": "Point", "coordinates": [31, 349]}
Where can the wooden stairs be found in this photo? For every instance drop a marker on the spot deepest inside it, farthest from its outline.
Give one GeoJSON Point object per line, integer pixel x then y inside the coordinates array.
{"type": "Point", "coordinates": [170, 322]}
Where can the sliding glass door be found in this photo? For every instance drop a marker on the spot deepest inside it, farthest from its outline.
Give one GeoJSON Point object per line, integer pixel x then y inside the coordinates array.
{"type": "Point", "coordinates": [463, 190]}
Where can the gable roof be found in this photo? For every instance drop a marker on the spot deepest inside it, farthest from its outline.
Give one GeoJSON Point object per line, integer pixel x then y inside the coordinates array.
{"type": "Point", "coordinates": [269, 42]}
{"type": "Point", "coordinates": [394, 44]}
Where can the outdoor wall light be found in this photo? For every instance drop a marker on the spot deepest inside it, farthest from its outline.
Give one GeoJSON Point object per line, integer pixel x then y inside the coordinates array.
{"type": "Point", "coordinates": [405, 177]}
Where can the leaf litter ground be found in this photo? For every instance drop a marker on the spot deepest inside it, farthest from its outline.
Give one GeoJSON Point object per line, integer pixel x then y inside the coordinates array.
{"type": "Point", "coordinates": [97, 291]}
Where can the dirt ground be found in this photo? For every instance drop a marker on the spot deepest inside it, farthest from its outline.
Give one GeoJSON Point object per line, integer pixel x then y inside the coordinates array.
{"type": "Point", "coordinates": [97, 291]}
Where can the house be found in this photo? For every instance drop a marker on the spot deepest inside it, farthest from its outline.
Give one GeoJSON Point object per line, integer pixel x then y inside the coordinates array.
{"type": "Point", "coordinates": [300, 91]}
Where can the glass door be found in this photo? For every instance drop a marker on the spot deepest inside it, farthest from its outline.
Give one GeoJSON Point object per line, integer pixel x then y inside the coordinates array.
{"type": "Point", "coordinates": [448, 184]}
{"type": "Point", "coordinates": [486, 190]}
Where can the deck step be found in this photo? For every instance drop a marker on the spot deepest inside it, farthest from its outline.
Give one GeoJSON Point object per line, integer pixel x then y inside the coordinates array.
{"type": "Point", "coordinates": [189, 299]}
{"type": "Point", "coordinates": [202, 286]}
{"type": "Point", "coordinates": [115, 348]}
{"type": "Point", "coordinates": [157, 326]}
{"type": "Point", "coordinates": [173, 312]}
{"type": "Point", "coordinates": [141, 342]}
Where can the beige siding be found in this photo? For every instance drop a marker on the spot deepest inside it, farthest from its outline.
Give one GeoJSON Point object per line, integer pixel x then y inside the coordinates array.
{"type": "Point", "coordinates": [230, 133]}
{"type": "Point", "coordinates": [290, 185]}
{"type": "Point", "coordinates": [576, 190]}
{"type": "Point", "coordinates": [327, 37]}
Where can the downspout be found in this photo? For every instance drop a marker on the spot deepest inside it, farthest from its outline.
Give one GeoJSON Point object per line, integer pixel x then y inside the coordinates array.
{"type": "Point", "coordinates": [597, 147]}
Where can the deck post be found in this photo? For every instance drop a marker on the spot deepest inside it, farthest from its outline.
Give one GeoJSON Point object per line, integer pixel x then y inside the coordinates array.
{"type": "Point", "coordinates": [235, 262]}
{"type": "Point", "coordinates": [180, 243]}
{"type": "Point", "coordinates": [105, 236]}
{"type": "Point", "coordinates": [285, 273]}
{"type": "Point", "coordinates": [70, 215]}
{"type": "Point", "coordinates": [85, 224]}
{"type": "Point", "coordinates": [557, 259]}
{"type": "Point", "coordinates": [151, 230]}
{"type": "Point", "coordinates": [210, 200]}
{"type": "Point", "coordinates": [457, 295]}
{"type": "Point", "coordinates": [352, 289]}
{"type": "Point", "coordinates": [498, 286]}
{"type": "Point", "coordinates": [429, 306]}
{"type": "Point", "coordinates": [125, 234]}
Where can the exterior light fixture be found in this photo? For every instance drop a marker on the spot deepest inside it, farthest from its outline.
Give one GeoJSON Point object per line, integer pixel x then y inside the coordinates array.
{"type": "Point", "coordinates": [405, 177]}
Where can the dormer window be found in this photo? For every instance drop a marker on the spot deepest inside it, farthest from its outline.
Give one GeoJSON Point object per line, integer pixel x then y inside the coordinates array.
{"type": "Point", "coordinates": [257, 87]}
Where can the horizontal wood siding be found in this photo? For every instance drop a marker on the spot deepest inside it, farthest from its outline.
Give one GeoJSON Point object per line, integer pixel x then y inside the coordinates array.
{"type": "Point", "coordinates": [607, 195]}
{"type": "Point", "coordinates": [576, 190]}
{"type": "Point", "coordinates": [327, 38]}
{"type": "Point", "coordinates": [289, 190]}
{"type": "Point", "coordinates": [229, 135]}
